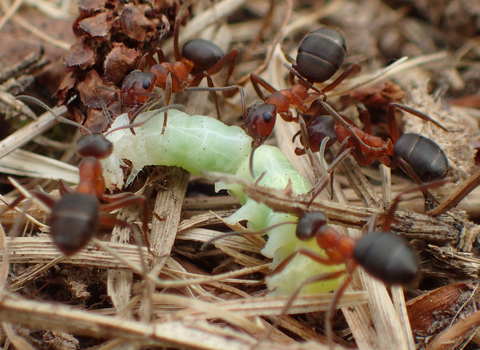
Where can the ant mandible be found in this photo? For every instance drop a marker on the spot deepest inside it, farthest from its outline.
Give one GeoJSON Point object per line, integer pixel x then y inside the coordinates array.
{"type": "Point", "coordinates": [75, 218]}
{"type": "Point", "coordinates": [199, 59]}
{"type": "Point", "coordinates": [419, 156]}
{"type": "Point", "coordinates": [384, 255]}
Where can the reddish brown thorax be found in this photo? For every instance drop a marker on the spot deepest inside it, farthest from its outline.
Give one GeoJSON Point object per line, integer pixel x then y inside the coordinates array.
{"type": "Point", "coordinates": [91, 177]}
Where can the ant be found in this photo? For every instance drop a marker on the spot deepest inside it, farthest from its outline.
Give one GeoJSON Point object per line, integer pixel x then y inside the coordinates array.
{"type": "Point", "coordinates": [314, 65]}
{"type": "Point", "coordinates": [78, 211]}
{"type": "Point", "coordinates": [420, 157]}
{"type": "Point", "coordinates": [384, 255]}
{"type": "Point", "coordinates": [199, 59]}
{"type": "Point", "coordinates": [320, 55]}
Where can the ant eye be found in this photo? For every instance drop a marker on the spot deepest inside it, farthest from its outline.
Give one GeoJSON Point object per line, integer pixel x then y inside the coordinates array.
{"type": "Point", "coordinates": [267, 117]}
{"type": "Point", "coordinates": [146, 84]}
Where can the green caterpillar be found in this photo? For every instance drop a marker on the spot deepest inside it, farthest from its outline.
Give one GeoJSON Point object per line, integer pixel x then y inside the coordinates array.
{"type": "Point", "coordinates": [201, 144]}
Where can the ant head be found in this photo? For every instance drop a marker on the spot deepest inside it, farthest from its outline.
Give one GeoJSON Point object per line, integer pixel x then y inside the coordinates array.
{"type": "Point", "coordinates": [137, 87]}
{"type": "Point", "coordinates": [94, 145]}
{"type": "Point", "coordinates": [260, 121]}
{"type": "Point", "coordinates": [318, 129]}
{"type": "Point", "coordinates": [310, 224]}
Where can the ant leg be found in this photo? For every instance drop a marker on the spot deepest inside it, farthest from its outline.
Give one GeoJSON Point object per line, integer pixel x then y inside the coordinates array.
{"type": "Point", "coordinates": [288, 305]}
{"type": "Point", "coordinates": [126, 199]}
{"type": "Point", "coordinates": [365, 116]}
{"type": "Point", "coordinates": [230, 56]}
{"type": "Point", "coordinates": [213, 94]}
{"type": "Point", "coordinates": [257, 82]}
{"type": "Point", "coordinates": [353, 68]}
{"type": "Point", "coordinates": [140, 109]}
{"type": "Point", "coordinates": [291, 78]}
{"type": "Point", "coordinates": [429, 198]}
{"type": "Point", "coordinates": [304, 139]}
{"type": "Point", "coordinates": [176, 29]}
{"type": "Point", "coordinates": [160, 55]}
{"type": "Point", "coordinates": [362, 159]}
{"type": "Point", "coordinates": [392, 125]}
{"type": "Point", "coordinates": [304, 81]}
{"type": "Point", "coordinates": [145, 107]}
{"type": "Point", "coordinates": [227, 88]}
{"type": "Point", "coordinates": [45, 198]}
{"type": "Point", "coordinates": [146, 59]}
{"type": "Point", "coordinates": [458, 196]}
{"type": "Point", "coordinates": [105, 110]}
{"type": "Point", "coordinates": [348, 126]}
{"type": "Point", "coordinates": [308, 253]}
{"type": "Point", "coordinates": [136, 236]}
{"type": "Point", "coordinates": [336, 298]}
{"type": "Point", "coordinates": [64, 188]}
{"type": "Point", "coordinates": [322, 183]}
{"type": "Point", "coordinates": [389, 216]}
{"type": "Point", "coordinates": [168, 96]}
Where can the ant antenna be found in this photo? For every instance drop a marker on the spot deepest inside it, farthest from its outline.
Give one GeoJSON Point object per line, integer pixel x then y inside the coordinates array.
{"type": "Point", "coordinates": [137, 124]}
{"type": "Point", "coordinates": [176, 30]}
{"type": "Point", "coordinates": [244, 233]}
{"type": "Point", "coordinates": [60, 119]}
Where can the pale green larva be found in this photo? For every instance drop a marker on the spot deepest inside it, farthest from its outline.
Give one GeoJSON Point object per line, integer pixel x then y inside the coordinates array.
{"type": "Point", "coordinates": [200, 144]}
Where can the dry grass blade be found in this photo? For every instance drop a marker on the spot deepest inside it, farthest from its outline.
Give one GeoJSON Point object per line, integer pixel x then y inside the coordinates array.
{"type": "Point", "coordinates": [5, 259]}
{"type": "Point", "coordinates": [193, 334]}
{"type": "Point", "coordinates": [40, 250]}
{"type": "Point", "coordinates": [17, 341]}
{"type": "Point", "coordinates": [29, 132]}
{"type": "Point", "coordinates": [461, 333]}
{"type": "Point", "coordinates": [269, 306]}
{"type": "Point", "coordinates": [24, 163]}
{"type": "Point", "coordinates": [400, 66]}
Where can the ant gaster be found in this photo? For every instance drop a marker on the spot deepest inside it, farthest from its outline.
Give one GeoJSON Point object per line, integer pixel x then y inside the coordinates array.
{"type": "Point", "coordinates": [199, 59]}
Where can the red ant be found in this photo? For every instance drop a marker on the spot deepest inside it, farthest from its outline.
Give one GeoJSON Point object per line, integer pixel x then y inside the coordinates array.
{"type": "Point", "coordinates": [199, 59]}
{"type": "Point", "coordinates": [384, 255]}
{"type": "Point", "coordinates": [320, 55]}
{"type": "Point", "coordinates": [314, 64]}
{"type": "Point", "coordinates": [75, 218]}
{"type": "Point", "coordinates": [422, 158]}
